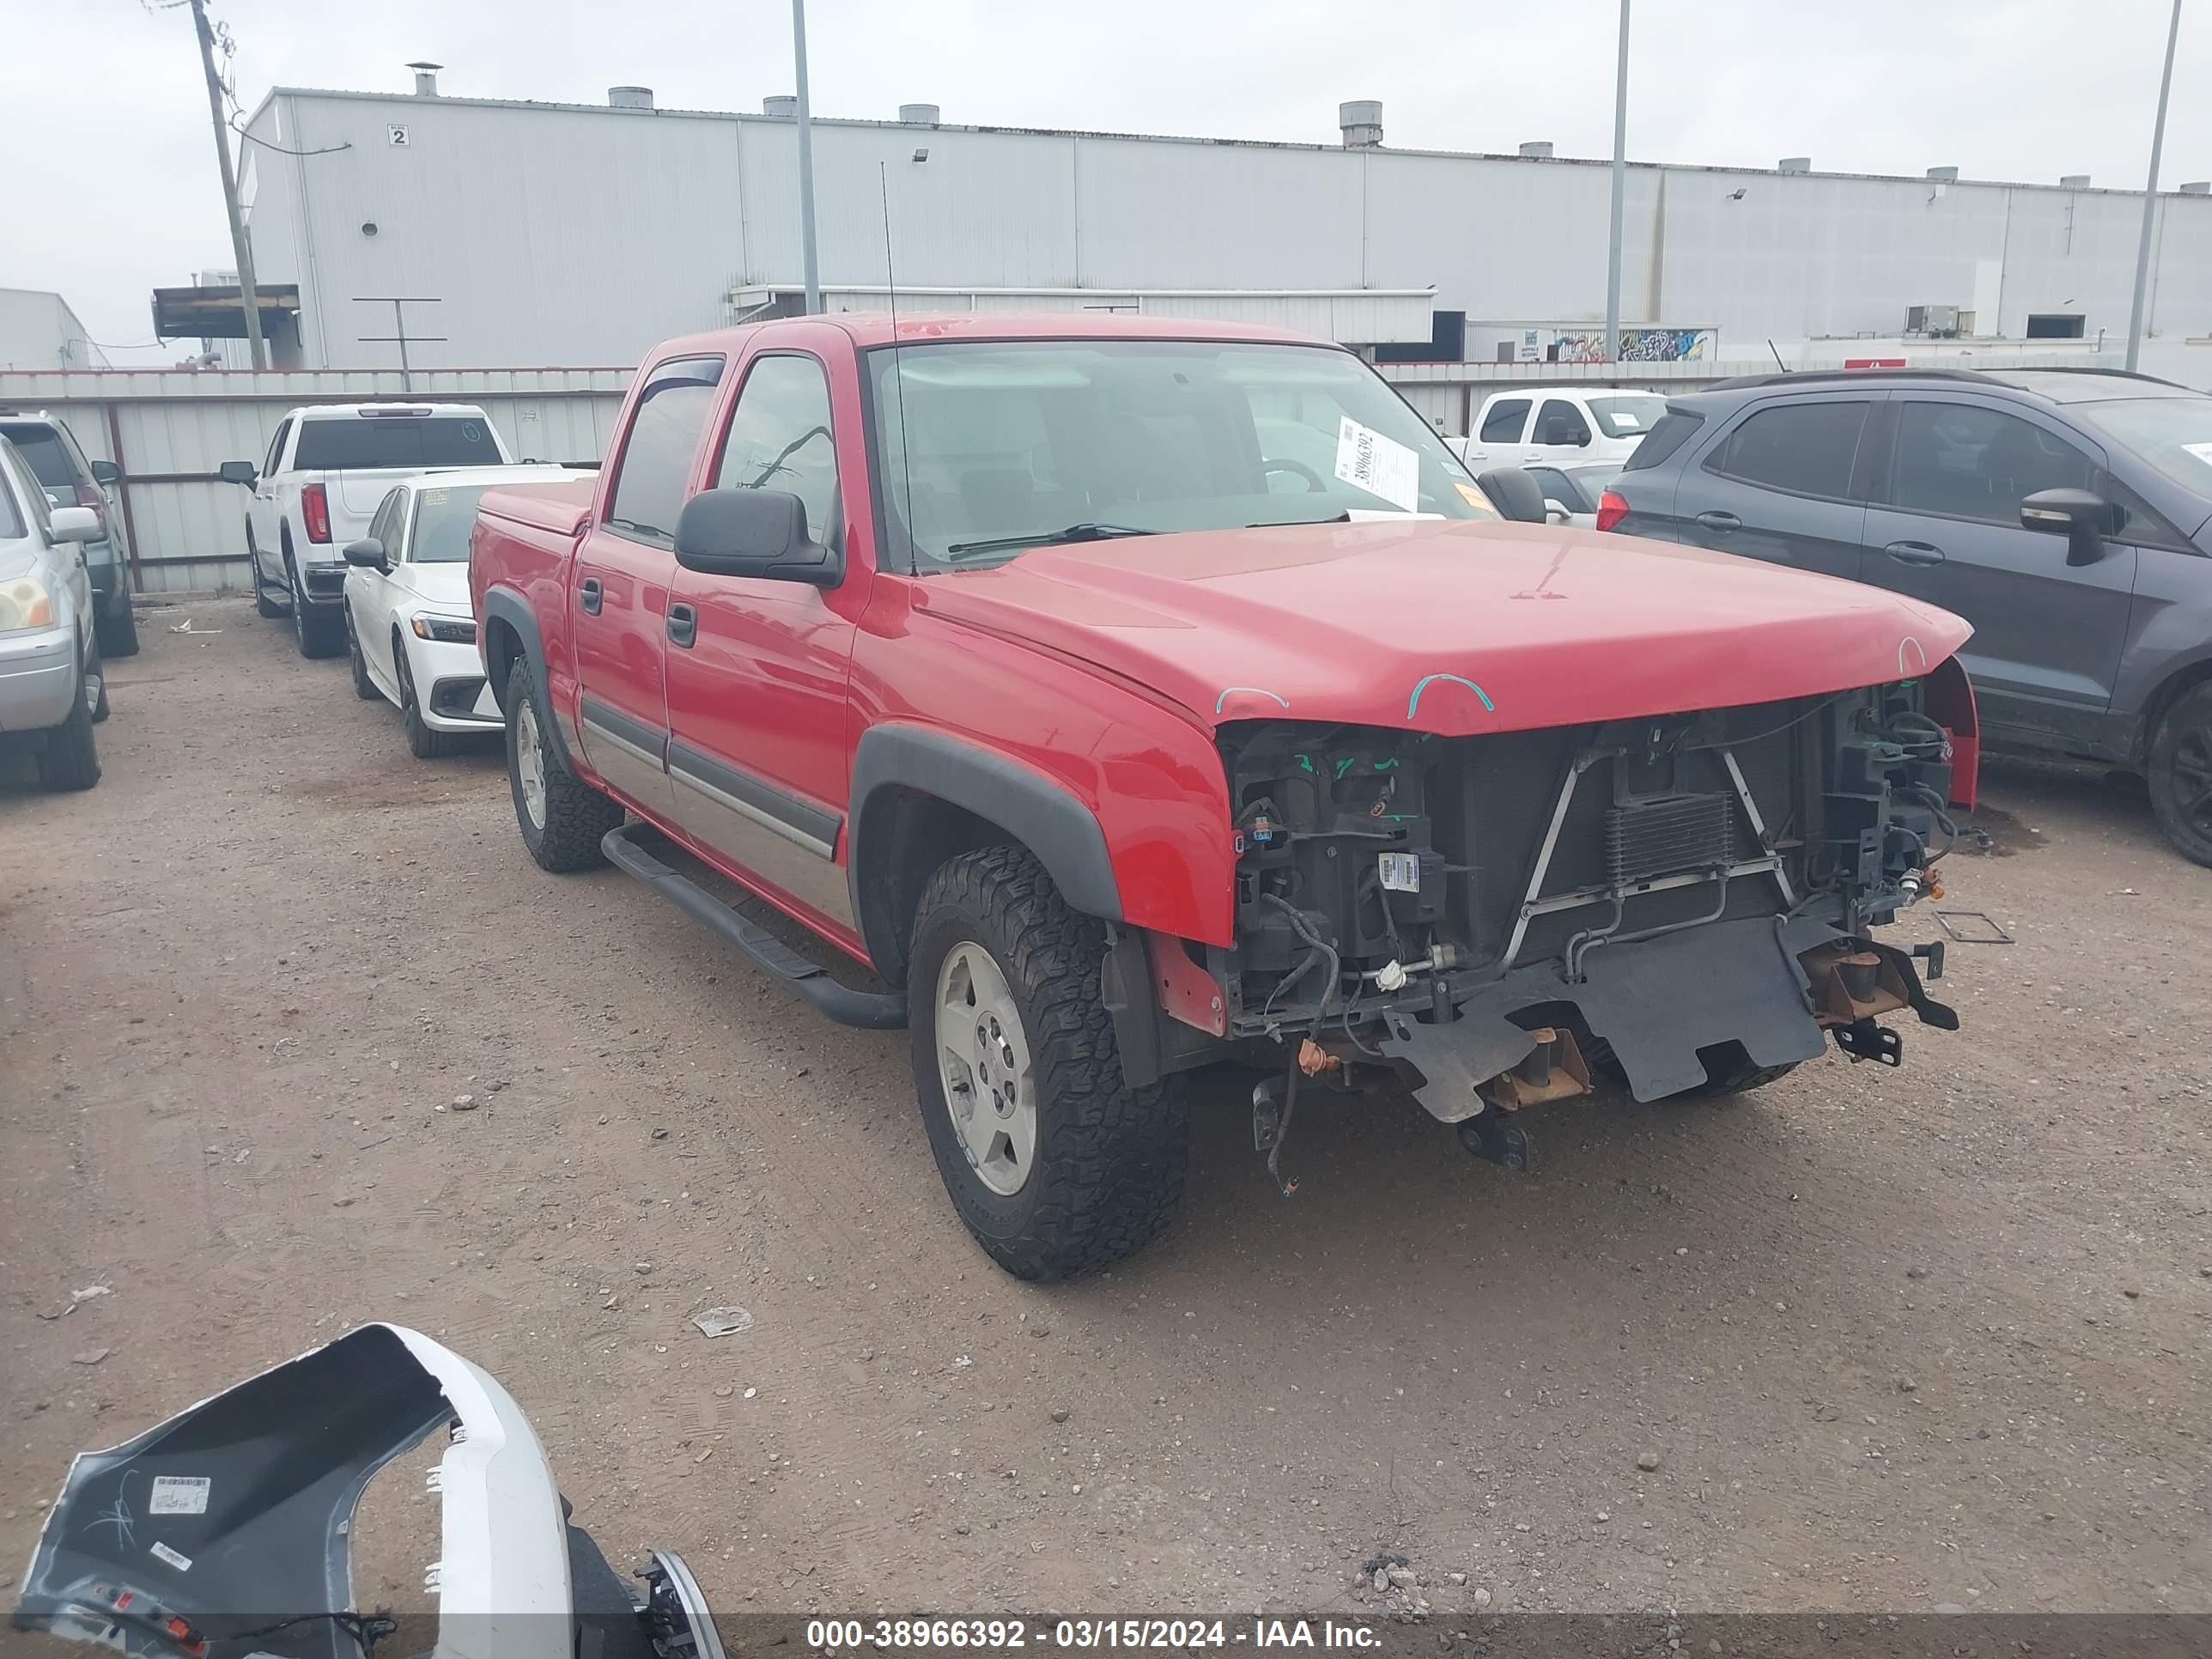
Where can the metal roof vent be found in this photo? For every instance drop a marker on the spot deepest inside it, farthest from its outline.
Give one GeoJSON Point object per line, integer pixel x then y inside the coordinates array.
{"type": "Point", "coordinates": [1360, 121]}
{"type": "Point", "coordinates": [2074, 181]}
{"type": "Point", "coordinates": [426, 79]}
{"type": "Point", "coordinates": [1943, 175]}
{"type": "Point", "coordinates": [920, 115]}
{"type": "Point", "coordinates": [1537, 149]}
{"type": "Point", "coordinates": [629, 97]}
{"type": "Point", "coordinates": [2197, 188]}
{"type": "Point", "coordinates": [1794, 164]}
{"type": "Point", "coordinates": [783, 105]}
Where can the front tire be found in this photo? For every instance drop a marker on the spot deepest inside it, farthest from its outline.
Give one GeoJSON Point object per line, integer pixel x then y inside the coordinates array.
{"type": "Point", "coordinates": [422, 742]}
{"type": "Point", "coordinates": [2181, 773]}
{"type": "Point", "coordinates": [562, 818]}
{"type": "Point", "coordinates": [363, 687]}
{"type": "Point", "coordinates": [1055, 1162]}
{"type": "Point", "coordinates": [118, 631]}
{"type": "Point", "coordinates": [69, 758]}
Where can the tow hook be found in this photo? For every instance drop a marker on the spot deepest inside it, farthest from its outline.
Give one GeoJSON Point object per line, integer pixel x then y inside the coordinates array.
{"type": "Point", "coordinates": [1491, 1135]}
{"type": "Point", "coordinates": [1553, 1070]}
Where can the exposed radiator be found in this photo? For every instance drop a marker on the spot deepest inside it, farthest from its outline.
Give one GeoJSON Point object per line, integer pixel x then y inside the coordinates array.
{"type": "Point", "coordinates": [1666, 836]}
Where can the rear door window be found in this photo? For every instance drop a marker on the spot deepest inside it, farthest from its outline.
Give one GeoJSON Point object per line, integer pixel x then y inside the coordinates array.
{"type": "Point", "coordinates": [1560, 422]}
{"type": "Point", "coordinates": [656, 458]}
{"type": "Point", "coordinates": [1505, 421]}
{"type": "Point", "coordinates": [1966, 462]}
{"type": "Point", "coordinates": [42, 448]}
{"type": "Point", "coordinates": [1807, 449]}
{"type": "Point", "coordinates": [366, 442]}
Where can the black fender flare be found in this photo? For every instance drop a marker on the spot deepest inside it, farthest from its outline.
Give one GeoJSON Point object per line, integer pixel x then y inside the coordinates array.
{"type": "Point", "coordinates": [510, 610]}
{"type": "Point", "coordinates": [1043, 815]}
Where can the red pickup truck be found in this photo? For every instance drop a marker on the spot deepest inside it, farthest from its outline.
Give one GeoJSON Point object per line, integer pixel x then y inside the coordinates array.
{"type": "Point", "coordinates": [1131, 694]}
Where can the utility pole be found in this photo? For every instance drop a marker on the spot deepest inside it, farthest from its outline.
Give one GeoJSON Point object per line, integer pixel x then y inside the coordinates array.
{"type": "Point", "coordinates": [2150, 196]}
{"type": "Point", "coordinates": [399, 336]}
{"type": "Point", "coordinates": [1619, 193]}
{"type": "Point", "coordinates": [805, 161]}
{"type": "Point", "coordinates": [249, 291]}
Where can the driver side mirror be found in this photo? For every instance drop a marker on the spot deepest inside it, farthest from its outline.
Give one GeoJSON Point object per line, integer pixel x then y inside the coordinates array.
{"type": "Point", "coordinates": [2082, 516]}
{"type": "Point", "coordinates": [1514, 494]}
{"type": "Point", "coordinates": [237, 472]}
{"type": "Point", "coordinates": [761, 533]}
{"type": "Point", "coordinates": [106, 472]}
{"type": "Point", "coordinates": [1556, 512]}
{"type": "Point", "coordinates": [1567, 432]}
{"type": "Point", "coordinates": [368, 553]}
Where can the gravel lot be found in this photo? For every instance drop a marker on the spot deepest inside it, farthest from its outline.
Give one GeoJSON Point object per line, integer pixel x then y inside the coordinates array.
{"type": "Point", "coordinates": [1898, 1339]}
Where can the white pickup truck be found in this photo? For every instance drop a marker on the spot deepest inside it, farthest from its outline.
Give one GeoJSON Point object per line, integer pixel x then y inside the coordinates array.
{"type": "Point", "coordinates": [1558, 426]}
{"type": "Point", "coordinates": [328, 469]}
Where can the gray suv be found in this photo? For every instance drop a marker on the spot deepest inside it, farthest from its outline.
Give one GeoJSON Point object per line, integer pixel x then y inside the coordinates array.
{"type": "Point", "coordinates": [2066, 513]}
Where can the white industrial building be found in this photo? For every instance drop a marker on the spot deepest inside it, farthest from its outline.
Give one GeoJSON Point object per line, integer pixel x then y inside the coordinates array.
{"type": "Point", "coordinates": [568, 235]}
{"type": "Point", "coordinates": [38, 329]}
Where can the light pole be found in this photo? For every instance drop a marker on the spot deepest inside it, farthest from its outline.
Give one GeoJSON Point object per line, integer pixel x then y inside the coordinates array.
{"type": "Point", "coordinates": [1619, 192]}
{"type": "Point", "coordinates": [2150, 196]}
{"type": "Point", "coordinates": [806, 161]}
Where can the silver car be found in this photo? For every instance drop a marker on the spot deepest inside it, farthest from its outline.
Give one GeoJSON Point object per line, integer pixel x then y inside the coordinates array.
{"type": "Point", "coordinates": [52, 691]}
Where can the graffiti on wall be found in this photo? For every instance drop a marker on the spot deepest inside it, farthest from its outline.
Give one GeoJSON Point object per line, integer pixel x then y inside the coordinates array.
{"type": "Point", "coordinates": [1638, 345]}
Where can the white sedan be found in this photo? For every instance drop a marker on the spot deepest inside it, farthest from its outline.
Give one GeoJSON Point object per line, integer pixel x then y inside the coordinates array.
{"type": "Point", "coordinates": [409, 627]}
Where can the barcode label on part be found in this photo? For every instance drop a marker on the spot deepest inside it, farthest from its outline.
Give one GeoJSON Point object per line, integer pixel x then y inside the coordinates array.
{"type": "Point", "coordinates": [1401, 871]}
{"type": "Point", "coordinates": [179, 1494]}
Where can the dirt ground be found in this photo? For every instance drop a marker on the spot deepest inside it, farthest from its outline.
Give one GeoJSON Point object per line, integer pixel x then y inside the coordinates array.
{"type": "Point", "coordinates": [1899, 1339]}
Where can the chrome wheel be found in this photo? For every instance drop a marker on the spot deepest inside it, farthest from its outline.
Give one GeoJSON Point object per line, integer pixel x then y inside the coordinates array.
{"type": "Point", "coordinates": [530, 762]}
{"type": "Point", "coordinates": [983, 1054]}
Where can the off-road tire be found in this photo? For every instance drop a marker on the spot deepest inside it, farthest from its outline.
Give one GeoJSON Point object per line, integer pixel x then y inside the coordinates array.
{"type": "Point", "coordinates": [2180, 770]}
{"type": "Point", "coordinates": [1108, 1169]}
{"type": "Point", "coordinates": [118, 630]}
{"type": "Point", "coordinates": [262, 605]}
{"type": "Point", "coordinates": [363, 687]}
{"type": "Point", "coordinates": [69, 758]}
{"type": "Point", "coordinates": [422, 741]}
{"type": "Point", "coordinates": [317, 634]}
{"type": "Point", "coordinates": [577, 816]}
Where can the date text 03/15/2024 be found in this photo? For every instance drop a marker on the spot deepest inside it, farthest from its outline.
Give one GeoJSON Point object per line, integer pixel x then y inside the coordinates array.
{"type": "Point", "coordinates": [987, 1635]}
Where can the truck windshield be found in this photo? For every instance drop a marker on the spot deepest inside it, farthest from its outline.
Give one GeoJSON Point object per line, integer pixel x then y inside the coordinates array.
{"type": "Point", "coordinates": [366, 441]}
{"type": "Point", "coordinates": [2174, 435]}
{"type": "Point", "coordinates": [993, 448]}
{"type": "Point", "coordinates": [1627, 417]}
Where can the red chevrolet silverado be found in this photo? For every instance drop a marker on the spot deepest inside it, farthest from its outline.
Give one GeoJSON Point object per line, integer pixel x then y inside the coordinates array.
{"type": "Point", "coordinates": [1131, 695]}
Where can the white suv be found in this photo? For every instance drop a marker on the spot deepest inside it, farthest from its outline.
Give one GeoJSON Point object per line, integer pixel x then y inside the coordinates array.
{"type": "Point", "coordinates": [328, 469]}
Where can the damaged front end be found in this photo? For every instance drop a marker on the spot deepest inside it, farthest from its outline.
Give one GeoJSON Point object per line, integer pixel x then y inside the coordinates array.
{"type": "Point", "coordinates": [226, 1531]}
{"type": "Point", "coordinates": [1687, 901]}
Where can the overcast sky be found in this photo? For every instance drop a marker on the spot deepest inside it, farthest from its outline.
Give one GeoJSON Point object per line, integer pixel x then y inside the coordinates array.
{"type": "Point", "coordinates": [111, 187]}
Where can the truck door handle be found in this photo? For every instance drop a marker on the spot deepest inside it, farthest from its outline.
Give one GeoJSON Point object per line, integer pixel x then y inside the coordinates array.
{"type": "Point", "coordinates": [590, 592]}
{"type": "Point", "coordinates": [682, 625]}
{"type": "Point", "coordinates": [1720, 521]}
{"type": "Point", "coordinates": [1916, 553]}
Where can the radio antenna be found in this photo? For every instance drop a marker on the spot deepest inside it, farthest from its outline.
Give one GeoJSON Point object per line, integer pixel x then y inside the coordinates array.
{"type": "Point", "coordinates": [899, 379]}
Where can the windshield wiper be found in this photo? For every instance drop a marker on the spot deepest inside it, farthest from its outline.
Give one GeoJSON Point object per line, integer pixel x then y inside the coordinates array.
{"type": "Point", "coordinates": [1074, 533]}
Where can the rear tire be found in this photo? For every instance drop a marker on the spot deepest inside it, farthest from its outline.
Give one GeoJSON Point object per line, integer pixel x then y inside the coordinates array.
{"type": "Point", "coordinates": [118, 631]}
{"type": "Point", "coordinates": [2181, 773]}
{"type": "Point", "coordinates": [1104, 1167]}
{"type": "Point", "coordinates": [317, 633]}
{"type": "Point", "coordinates": [69, 758]}
{"type": "Point", "coordinates": [562, 818]}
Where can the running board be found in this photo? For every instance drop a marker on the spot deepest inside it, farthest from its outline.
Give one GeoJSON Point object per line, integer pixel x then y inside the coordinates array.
{"type": "Point", "coordinates": [874, 1011]}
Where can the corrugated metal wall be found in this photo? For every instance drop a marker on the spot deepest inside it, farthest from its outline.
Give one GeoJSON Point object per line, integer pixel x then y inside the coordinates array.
{"type": "Point", "coordinates": [566, 234]}
{"type": "Point", "coordinates": [169, 431]}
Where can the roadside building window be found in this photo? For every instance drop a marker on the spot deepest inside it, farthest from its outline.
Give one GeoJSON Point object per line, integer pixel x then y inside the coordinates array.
{"type": "Point", "coordinates": [656, 461]}
{"type": "Point", "coordinates": [1966, 462]}
{"type": "Point", "coordinates": [1505, 421]}
{"type": "Point", "coordinates": [779, 438]}
{"type": "Point", "coordinates": [1807, 448]}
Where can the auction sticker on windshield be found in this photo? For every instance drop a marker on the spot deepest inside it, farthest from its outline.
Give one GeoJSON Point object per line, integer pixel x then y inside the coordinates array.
{"type": "Point", "coordinates": [1382, 466]}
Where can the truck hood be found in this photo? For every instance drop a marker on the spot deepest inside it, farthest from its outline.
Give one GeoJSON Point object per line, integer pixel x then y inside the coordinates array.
{"type": "Point", "coordinates": [1450, 628]}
